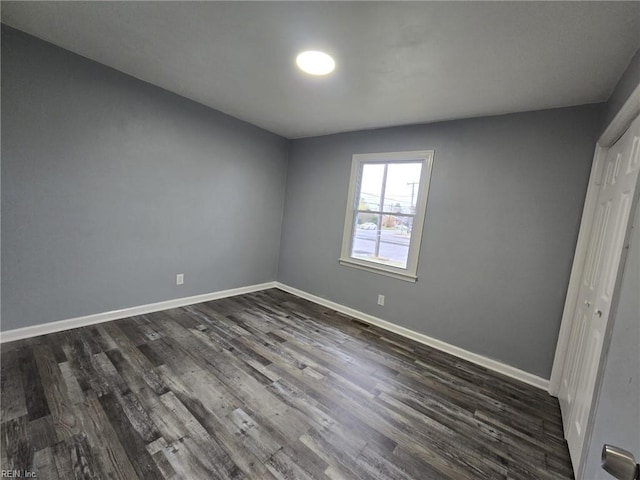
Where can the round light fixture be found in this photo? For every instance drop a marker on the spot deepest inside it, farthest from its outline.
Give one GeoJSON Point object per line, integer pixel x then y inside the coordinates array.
{"type": "Point", "coordinates": [315, 63]}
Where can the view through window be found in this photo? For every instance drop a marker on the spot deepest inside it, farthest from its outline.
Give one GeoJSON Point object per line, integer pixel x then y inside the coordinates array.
{"type": "Point", "coordinates": [385, 213]}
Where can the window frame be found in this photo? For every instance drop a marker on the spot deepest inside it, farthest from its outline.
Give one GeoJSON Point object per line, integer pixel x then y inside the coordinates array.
{"type": "Point", "coordinates": [409, 273]}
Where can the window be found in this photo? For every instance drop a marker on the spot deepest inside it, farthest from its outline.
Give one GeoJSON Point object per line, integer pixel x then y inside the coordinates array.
{"type": "Point", "coordinates": [385, 212]}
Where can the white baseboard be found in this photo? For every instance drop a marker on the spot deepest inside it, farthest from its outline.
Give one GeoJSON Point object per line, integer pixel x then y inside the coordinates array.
{"type": "Point", "coordinates": [488, 363]}
{"type": "Point", "coordinates": [51, 327]}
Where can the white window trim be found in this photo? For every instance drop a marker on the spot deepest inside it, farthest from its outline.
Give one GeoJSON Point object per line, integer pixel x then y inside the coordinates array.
{"type": "Point", "coordinates": [410, 273]}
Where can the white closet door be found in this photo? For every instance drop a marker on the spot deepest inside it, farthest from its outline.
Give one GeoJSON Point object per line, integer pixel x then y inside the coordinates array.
{"type": "Point", "coordinates": [604, 255]}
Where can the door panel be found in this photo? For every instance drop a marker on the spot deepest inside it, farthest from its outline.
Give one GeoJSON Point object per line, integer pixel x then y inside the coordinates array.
{"type": "Point", "coordinates": [619, 234]}
{"type": "Point", "coordinates": [617, 415]}
{"type": "Point", "coordinates": [586, 298]}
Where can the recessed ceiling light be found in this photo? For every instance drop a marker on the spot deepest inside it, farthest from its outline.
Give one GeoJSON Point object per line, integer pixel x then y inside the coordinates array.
{"type": "Point", "coordinates": [315, 63]}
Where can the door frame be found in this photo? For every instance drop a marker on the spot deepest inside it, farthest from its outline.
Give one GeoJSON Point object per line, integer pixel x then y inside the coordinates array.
{"type": "Point", "coordinates": [623, 119]}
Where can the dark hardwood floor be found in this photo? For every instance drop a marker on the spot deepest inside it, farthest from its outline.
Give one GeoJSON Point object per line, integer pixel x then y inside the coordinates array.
{"type": "Point", "coordinates": [265, 386]}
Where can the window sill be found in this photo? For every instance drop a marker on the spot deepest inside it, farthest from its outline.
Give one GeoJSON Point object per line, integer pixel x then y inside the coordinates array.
{"type": "Point", "coordinates": [349, 262]}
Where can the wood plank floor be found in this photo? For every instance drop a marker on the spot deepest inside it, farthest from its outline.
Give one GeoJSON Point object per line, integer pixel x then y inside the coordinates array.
{"type": "Point", "coordinates": [265, 386]}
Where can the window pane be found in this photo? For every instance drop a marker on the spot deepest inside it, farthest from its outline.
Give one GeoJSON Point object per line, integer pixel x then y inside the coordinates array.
{"type": "Point", "coordinates": [394, 248]}
{"type": "Point", "coordinates": [371, 186]}
{"type": "Point", "coordinates": [401, 192]}
{"type": "Point", "coordinates": [388, 245]}
{"type": "Point", "coordinates": [365, 235]}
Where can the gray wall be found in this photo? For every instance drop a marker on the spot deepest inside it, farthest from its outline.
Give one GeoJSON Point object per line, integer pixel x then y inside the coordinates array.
{"type": "Point", "coordinates": [111, 186]}
{"type": "Point", "coordinates": [617, 419]}
{"type": "Point", "coordinates": [627, 83]}
{"type": "Point", "coordinates": [501, 226]}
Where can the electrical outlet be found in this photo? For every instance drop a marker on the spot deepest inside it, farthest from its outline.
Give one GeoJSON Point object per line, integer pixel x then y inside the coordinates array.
{"type": "Point", "coordinates": [380, 299]}
{"type": "Point", "coordinates": [180, 279]}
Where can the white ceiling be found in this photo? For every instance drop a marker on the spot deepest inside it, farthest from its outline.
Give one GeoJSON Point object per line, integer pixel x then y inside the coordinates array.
{"type": "Point", "coordinates": [397, 62]}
